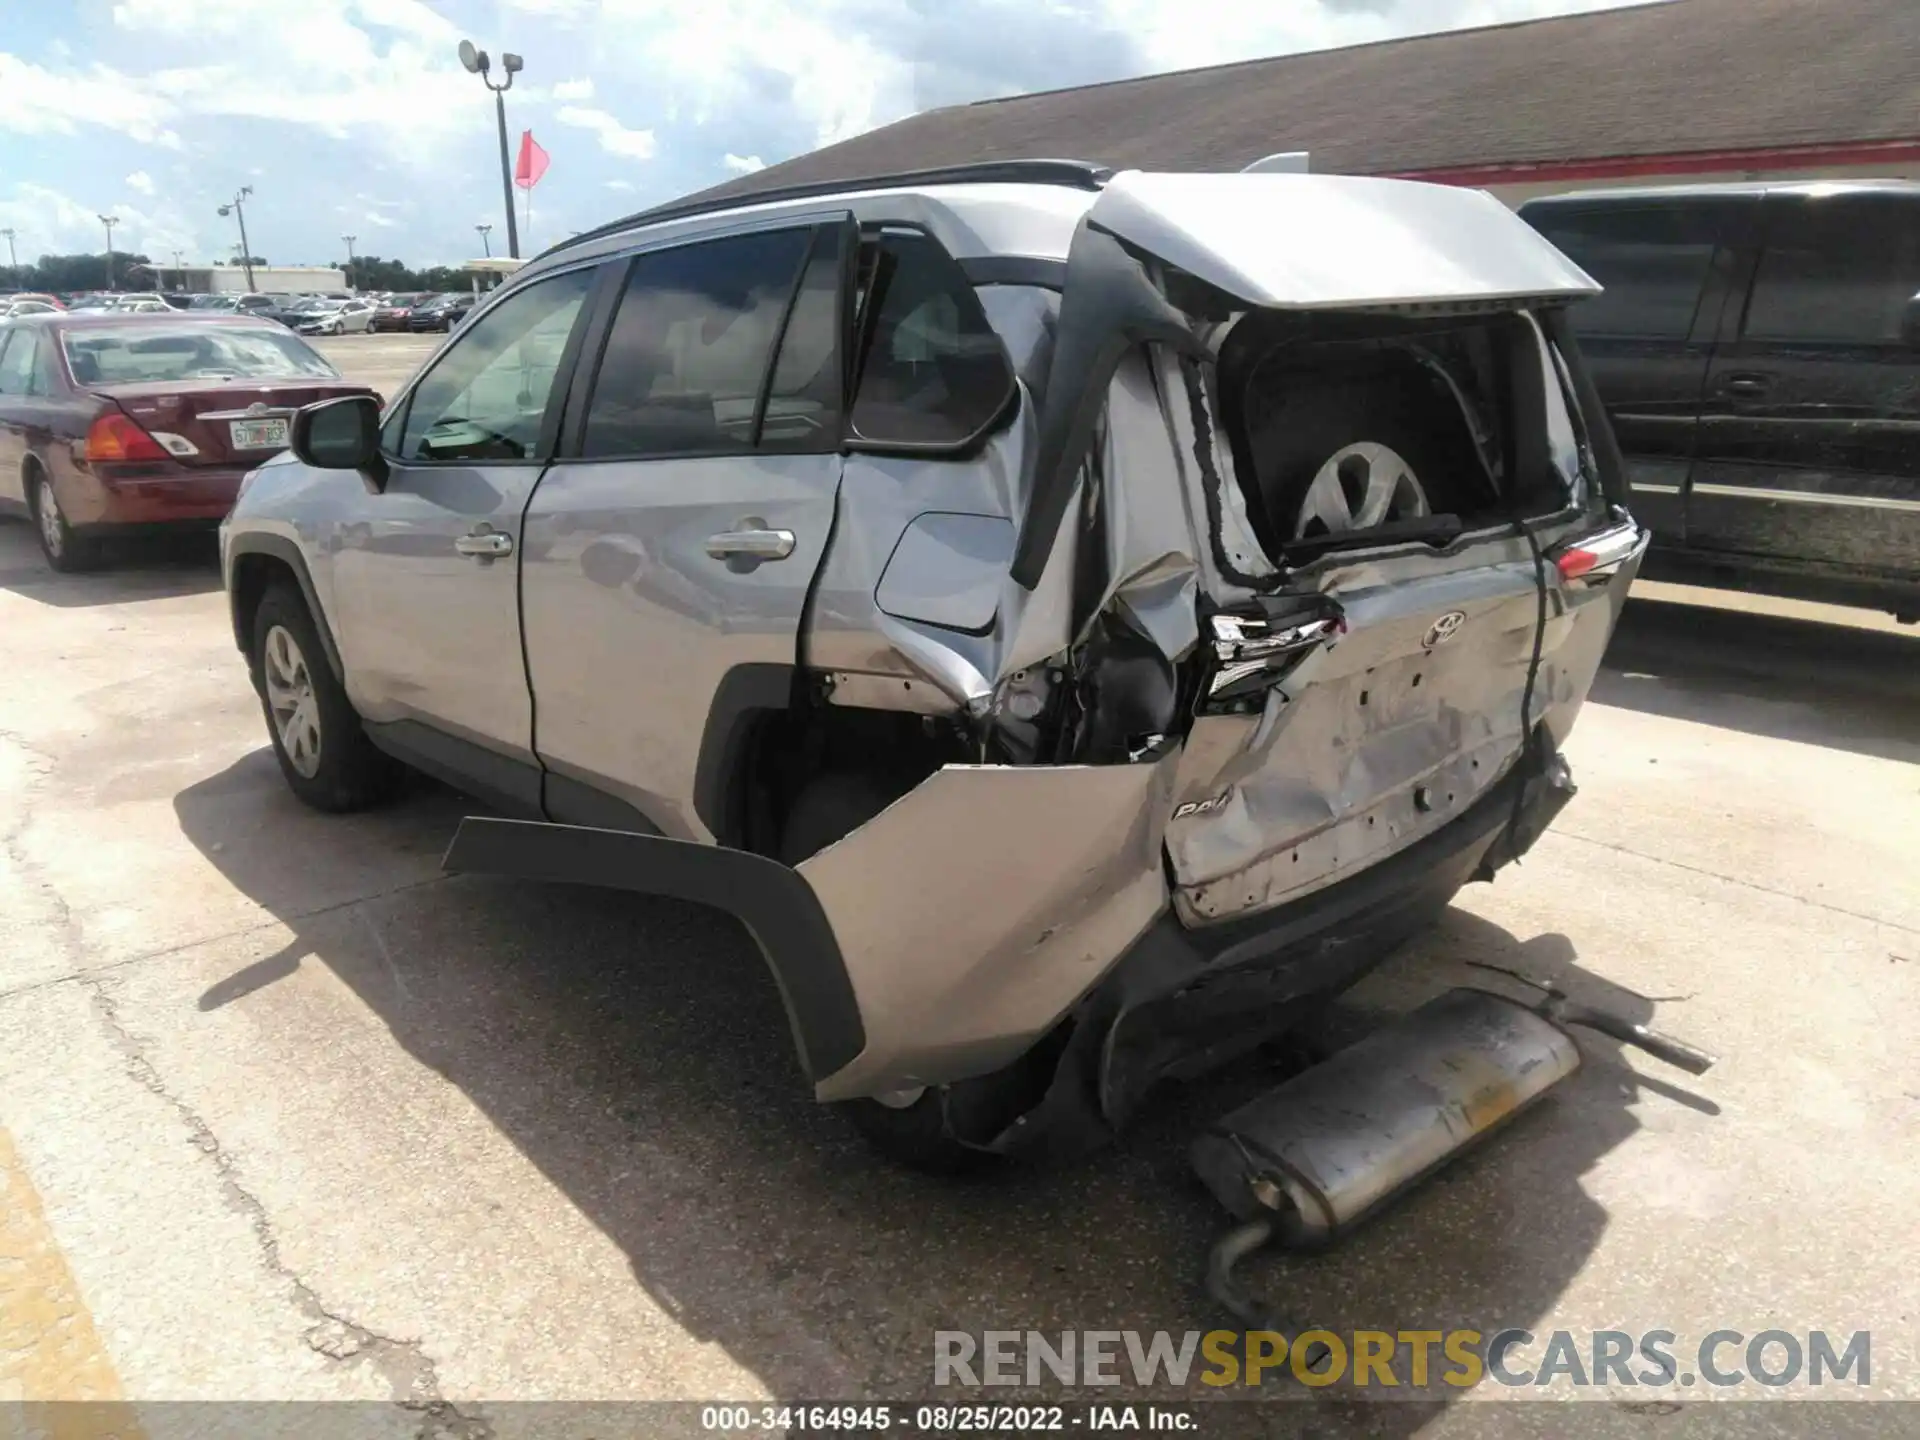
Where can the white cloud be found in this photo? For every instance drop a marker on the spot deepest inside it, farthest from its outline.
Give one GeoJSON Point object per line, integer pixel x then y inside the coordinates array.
{"type": "Point", "coordinates": [50, 221]}
{"type": "Point", "coordinates": [141, 181]}
{"type": "Point", "coordinates": [615, 138]}
{"type": "Point", "coordinates": [618, 184]}
{"type": "Point", "coordinates": [742, 164]}
{"type": "Point", "coordinates": [573, 90]}
{"type": "Point", "coordinates": [37, 101]}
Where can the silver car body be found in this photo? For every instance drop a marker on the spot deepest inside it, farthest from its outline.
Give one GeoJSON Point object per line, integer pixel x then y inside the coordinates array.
{"type": "Point", "coordinates": [978, 909]}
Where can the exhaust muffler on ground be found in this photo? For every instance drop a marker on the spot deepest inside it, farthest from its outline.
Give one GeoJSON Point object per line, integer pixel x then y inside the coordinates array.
{"type": "Point", "coordinates": [1309, 1160]}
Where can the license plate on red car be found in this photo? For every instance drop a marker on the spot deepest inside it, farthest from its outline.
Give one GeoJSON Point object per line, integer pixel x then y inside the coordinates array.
{"type": "Point", "coordinates": [258, 434]}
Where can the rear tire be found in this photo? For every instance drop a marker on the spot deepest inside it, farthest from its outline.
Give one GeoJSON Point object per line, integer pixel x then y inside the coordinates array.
{"type": "Point", "coordinates": [909, 1129]}
{"type": "Point", "coordinates": [65, 552]}
{"type": "Point", "coordinates": [915, 1135]}
{"type": "Point", "coordinates": [323, 750]}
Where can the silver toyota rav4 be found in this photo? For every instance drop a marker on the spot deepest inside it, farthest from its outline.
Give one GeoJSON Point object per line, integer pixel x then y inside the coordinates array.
{"type": "Point", "coordinates": [1076, 621]}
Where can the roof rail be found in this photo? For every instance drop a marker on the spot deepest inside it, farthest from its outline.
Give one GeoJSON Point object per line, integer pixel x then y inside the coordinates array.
{"type": "Point", "coordinates": [1074, 174]}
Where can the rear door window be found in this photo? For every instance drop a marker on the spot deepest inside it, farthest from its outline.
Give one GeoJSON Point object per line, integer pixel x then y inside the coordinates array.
{"type": "Point", "coordinates": [1652, 259]}
{"type": "Point", "coordinates": [1836, 271]}
{"type": "Point", "coordinates": [691, 350]}
{"type": "Point", "coordinates": [933, 373]}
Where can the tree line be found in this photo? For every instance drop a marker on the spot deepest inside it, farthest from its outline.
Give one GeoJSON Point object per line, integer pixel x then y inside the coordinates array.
{"type": "Point", "coordinates": [139, 272]}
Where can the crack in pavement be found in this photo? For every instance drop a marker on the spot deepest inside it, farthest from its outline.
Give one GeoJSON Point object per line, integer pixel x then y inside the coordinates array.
{"type": "Point", "coordinates": [409, 1371]}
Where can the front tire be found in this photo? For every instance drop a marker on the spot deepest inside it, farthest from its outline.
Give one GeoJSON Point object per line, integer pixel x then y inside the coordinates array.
{"type": "Point", "coordinates": [323, 750]}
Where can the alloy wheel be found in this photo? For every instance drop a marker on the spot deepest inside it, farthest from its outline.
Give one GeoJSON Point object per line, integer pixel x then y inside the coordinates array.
{"type": "Point", "coordinates": [52, 527]}
{"type": "Point", "coordinates": [1361, 486]}
{"type": "Point", "coordinates": [290, 698]}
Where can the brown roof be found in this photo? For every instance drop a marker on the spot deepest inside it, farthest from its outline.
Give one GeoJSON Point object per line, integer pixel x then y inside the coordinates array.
{"type": "Point", "coordinates": [1680, 76]}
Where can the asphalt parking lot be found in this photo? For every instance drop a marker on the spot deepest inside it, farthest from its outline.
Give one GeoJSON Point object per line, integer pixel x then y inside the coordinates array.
{"type": "Point", "coordinates": [285, 1113]}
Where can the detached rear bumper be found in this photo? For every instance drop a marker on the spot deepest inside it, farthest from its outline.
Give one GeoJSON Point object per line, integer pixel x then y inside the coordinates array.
{"type": "Point", "coordinates": [937, 942]}
{"type": "Point", "coordinates": [943, 939]}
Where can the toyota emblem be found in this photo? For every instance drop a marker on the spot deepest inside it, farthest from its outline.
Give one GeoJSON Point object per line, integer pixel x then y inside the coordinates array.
{"type": "Point", "coordinates": [1445, 628]}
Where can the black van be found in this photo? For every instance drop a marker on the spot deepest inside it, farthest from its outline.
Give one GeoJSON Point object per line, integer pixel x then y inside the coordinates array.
{"type": "Point", "coordinates": [1758, 347]}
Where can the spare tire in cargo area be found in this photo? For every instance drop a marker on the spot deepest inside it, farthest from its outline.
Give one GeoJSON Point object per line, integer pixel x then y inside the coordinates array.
{"type": "Point", "coordinates": [1358, 447]}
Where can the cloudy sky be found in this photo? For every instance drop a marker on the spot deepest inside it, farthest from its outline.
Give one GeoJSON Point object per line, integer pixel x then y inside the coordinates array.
{"type": "Point", "coordinates": [354, 116]}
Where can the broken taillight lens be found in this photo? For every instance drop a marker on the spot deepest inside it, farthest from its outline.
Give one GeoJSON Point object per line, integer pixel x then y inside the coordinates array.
{"type": "Point", "coordinates": [115, 437]}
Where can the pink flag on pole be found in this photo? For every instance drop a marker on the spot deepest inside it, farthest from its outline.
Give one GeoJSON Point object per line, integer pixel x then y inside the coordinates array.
{"type": "Point", "coordinates": [532, 163]}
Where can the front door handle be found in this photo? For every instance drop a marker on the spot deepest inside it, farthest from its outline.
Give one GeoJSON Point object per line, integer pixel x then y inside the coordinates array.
{"type": "Point", "coordinates": [488, 544]}
{"type": "Point", "coordinates": [1748, 385]}
{"type": "Point", "coordinates": [753, 543]}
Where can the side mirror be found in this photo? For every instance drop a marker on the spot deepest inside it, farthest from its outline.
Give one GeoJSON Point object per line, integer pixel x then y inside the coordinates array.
{"type": "Point", "coordinates": [341, 434]}
{"type": "Point", "coordinates": [1910, 323]}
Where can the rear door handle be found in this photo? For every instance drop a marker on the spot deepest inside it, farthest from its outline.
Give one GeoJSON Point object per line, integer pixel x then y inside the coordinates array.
{"type": "Point", "coordinates": [487, 544]}
{"type": "Point", "coordinates": [1748, 384]}
{"type": "Point", "coordinates": [753, 542]}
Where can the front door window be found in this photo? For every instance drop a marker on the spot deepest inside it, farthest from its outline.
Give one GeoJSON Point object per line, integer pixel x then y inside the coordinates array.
{"type": "Point", "coordinates": [487, 397]}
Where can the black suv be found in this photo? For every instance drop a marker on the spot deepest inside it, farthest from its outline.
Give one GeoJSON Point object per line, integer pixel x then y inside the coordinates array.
{"type": "Point", "coordinates": [1758, 347]}
{"type": "Point", "coordinates": [443, 312]}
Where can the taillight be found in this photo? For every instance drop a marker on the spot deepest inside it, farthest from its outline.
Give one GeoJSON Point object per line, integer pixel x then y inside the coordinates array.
{"type": "Point", "coordinates": [1575, 563]}
{"type": "Point", "coordinates": [115, 437]}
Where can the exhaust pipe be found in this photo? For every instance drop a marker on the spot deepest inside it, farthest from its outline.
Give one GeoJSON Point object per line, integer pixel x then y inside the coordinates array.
{"type": "Point", "coordinates": [1311, 1159]}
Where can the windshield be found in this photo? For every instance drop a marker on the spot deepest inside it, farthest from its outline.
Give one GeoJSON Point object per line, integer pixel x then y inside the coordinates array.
{"type": "Point", "coordinates": [189, 352]}
{"type": "Point", "coordinates": [211, 302]}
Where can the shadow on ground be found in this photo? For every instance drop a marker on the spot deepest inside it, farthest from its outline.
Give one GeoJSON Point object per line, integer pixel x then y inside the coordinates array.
{"type": "Point", "coordinates": [635, 1050]}
{"type": "Point", "coordinates": [131, 569]}
{"type": "Point", "coordinates": [1841, 686]}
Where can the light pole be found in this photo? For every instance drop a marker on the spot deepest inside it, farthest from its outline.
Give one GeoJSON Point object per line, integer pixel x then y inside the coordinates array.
{"type": "Point", "coordinates": [486, 245]}
{"type": "Point", "coordinates": [109, 221]}
{"type": "Point", "coordinates": [477, 63]}
{"type": "Point", "coordinates": [179, 270]}
{"type": "Point", "coordinates": [350, 285]}
{"type": "Point", "coordinates": [13, 260]}
{"type": "Point", "coordinates": [238, 211]}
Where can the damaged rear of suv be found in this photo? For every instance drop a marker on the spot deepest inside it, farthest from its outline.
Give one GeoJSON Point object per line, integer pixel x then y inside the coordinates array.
{"type": "Point", "coordinates": [1075, 621]}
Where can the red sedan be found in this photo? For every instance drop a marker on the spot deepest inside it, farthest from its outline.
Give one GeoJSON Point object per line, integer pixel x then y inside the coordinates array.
{"type": "Point", "coordinates": [112, 423]}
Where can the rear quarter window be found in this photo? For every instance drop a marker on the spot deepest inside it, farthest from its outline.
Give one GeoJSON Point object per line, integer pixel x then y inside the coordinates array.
{"type": "Point", "coordinates": [933, 372]}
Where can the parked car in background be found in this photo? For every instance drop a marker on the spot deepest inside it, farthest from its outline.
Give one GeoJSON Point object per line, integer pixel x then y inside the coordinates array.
{"type": "Point", "coordinates": [335, 317]}
{"type": "Point", "coordinates": [20, 296]}
{"type": "Point", "coordinates": [213, 302]}
{"type": "Point", "coordinates": [178, 300]}
{"type": "Point", "coordinates": [12, 307]}
{"type": "Point", "coordinates": [395, 311]}
{"type": "Point", "coordinates": [1758, 347]}
{"type": "Point", "coordinates": [141, 304]}
{"type": "Point", "coordinates": [1105, 613]}
{"type": "Point", "coordinates": [288, 310]}
{"type": "Point", "coordinates": [116, 421]}
{"type": "Point", "coordinates": [442, 312]}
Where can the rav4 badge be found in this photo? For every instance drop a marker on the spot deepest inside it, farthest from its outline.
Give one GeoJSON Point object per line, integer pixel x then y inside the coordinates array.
{"type": "Point", "coordinates": [1201, 807]}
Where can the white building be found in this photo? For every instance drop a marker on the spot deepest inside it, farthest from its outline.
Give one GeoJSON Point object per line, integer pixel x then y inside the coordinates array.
{"type": "Point", "coordinates": [232, 279]}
